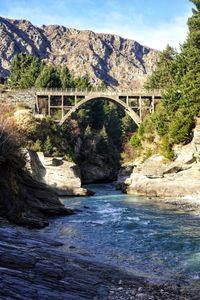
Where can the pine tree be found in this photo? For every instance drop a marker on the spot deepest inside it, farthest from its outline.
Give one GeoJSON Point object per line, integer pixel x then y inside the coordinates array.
{"type": "Point", "coordinates": [48, 78]}
{"type": "Point", "coordinates": [66, 78]}
{"type": "Point", "coordinates": [179, 78]}
{"type": "Point", "coordinates": [25, 69]}
{"type": "Point", "coordinates": [83, 83]}
{"type": "Point", "coordinates": [190, 83]}
{"type": "Point", "coordinates": [165, 70]}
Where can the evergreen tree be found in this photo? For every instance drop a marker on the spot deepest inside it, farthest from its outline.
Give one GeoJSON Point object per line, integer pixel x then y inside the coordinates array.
{"type": "Point", "coordinates": [48, 78]}
{"type": "Point", "coordinates": [113, 126]}
{"type": "Point", "coordinates": [25, 69]}
{"type": "Point", "coordinates": [96, 114]}
{"type": "Point", "coordinates": [66, 78]}
{"type": "Point", "coordinates": [178, 75]}
{"type": "Point", "coordinates": [190, 83]}
{"type": "Point", "coordinates": [83, 83]}
{"type": "Point", "coordinates": [103, 144]}
{"type": "Point", "coordinates": [165, 70]}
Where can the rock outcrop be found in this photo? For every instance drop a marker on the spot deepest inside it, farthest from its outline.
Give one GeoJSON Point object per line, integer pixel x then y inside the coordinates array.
{"type": "Point", "coordinates": [157, 177]}
{"type": "Point", "coordinates": [62, 176]}
{"type": "Point", "coordinates": [119, 62]}
{"type": "Point", "coordinates": [96, 169]}
{"type": "Point", "coordinates": [25, 201]}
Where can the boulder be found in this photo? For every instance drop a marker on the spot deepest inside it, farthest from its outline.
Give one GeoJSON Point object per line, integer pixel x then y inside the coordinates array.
{"type": "Point", "coordinates": [98, 170]}
{"type": "Point", "coordinates": [153, 167]}
{"type": "Point", "coordinates": [185, 154]}
{"type": "Point", "coordinates": [183, 183]}
{"type": "Point", "coordinates": [63, 176]}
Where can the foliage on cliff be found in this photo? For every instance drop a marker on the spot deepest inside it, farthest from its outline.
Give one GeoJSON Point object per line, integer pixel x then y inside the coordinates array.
{"type": "Point", "coordinates": [178, 76]}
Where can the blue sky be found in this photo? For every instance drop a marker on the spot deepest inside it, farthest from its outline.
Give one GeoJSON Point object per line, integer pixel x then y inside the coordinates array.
{"type": "Point", "coordinates": [154, 23]}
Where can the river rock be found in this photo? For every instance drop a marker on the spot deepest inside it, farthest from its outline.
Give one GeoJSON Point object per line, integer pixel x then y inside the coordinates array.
{"type": "Point", "coordinates": [124, 174]}
{"type": "Point", "coordinates": [185, 154]}
{"type": "Point", "coordinates": [96, 170]}
{"type": "Point", "coordinates": [63, 176]}
{"type": "Point", "coordinates": [157, 177]}
{"type": "Point", "coordinates": [153, 167]}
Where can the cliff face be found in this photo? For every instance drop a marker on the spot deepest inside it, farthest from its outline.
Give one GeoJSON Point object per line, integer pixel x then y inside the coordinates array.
{"type": "Point", "coordinates": [121, 63]}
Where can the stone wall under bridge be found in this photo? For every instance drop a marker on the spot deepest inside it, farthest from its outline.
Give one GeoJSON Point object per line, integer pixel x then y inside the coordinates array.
{"type": "Point", "coordinates": [14, 97]}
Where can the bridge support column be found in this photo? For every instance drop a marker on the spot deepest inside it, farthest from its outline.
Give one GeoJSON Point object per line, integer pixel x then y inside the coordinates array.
{"type": "Point", "coordinates": [153, 104]}
{"type": "Point", "coordinates": [62, 106]}
{"type": "Point", "coordinates": [49, 105]}
{"type": "Point", "coordinates": [140, 107]}
{"type": "Point", "coordinates": [36, 105]}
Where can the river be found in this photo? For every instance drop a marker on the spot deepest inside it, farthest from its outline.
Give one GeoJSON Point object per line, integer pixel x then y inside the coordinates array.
{"type": "Point", "coordinates": [157, 241]}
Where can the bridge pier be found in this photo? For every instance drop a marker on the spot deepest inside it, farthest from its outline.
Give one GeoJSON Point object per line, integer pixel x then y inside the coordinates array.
{"type": "Point", "coordinates": [140, 107]}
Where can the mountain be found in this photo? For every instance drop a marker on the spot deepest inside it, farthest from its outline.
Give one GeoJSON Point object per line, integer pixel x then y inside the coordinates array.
{"type": "Point", "coordinates": [119, 62]}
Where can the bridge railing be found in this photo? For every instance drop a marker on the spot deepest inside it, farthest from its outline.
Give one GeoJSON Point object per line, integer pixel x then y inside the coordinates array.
{"type": "Point", "coordinates": [96, 91]}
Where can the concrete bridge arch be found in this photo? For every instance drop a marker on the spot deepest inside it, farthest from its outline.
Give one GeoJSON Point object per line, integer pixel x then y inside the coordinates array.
{"type": "Point", "coordinates": [115, 100]}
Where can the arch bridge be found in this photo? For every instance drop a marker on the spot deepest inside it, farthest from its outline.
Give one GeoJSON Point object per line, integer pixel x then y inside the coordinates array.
{"type": "Point", "coordinates": [60, 104]}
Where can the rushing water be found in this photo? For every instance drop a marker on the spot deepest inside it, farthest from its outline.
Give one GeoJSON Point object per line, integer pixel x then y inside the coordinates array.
{"type": "Point", "coordinates": [157, 241]}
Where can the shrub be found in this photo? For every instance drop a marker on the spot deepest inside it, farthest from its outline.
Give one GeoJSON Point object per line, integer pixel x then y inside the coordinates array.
{"type": "Point", "coordinates": [135, 141]}
{"type": "Point", "coordinates": [166, 148]}
{"type": "Point", "coordinates": [37, 146]}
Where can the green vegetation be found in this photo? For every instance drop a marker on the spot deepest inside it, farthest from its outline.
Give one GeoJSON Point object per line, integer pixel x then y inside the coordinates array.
{"type": "Point", "coordinates": [25, 69]}
{"type": "Point", "coordinates": [28, 71]}
{"type": "Point", "coordinates": [178, 76]}
{"type": "Point", "coordinates": [165, 71]}
{"type": "Point", "coordinates": [48, 78]}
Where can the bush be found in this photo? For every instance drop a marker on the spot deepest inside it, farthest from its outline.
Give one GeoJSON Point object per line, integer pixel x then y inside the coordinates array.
{"type": "Point", "coordinates": [135, 141]}
{"type": "Point", "coordinates": [37, 146]}
{"type": "Point", "coordinates": [48, 146]}
{"type": "Point", "coordinates": [148, 153]}
{"type": "Point", "coordinates": [166, 148]}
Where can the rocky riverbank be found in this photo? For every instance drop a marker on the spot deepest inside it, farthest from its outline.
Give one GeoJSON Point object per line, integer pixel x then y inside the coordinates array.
{"type": "Point", "coordinates": [34, 266]}
{"type": "Point", "coordinates": [161, 178]}
{"type": "Point", "coordinates": [25, 201]}
{"type": "Point", "coordinates": [61, 175]}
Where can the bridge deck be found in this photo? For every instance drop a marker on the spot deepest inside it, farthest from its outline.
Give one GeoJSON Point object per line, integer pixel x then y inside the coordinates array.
{"type": "Point", "coordinates": [72, 92]}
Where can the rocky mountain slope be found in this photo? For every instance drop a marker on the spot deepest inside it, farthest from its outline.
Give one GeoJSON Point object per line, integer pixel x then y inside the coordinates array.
{"type": "Point", "coordinates": [121, 63]}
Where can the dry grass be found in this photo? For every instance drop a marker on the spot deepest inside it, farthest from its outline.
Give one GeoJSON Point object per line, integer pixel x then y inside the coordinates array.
{"type": "Point", "coordinates": [9, 139]}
